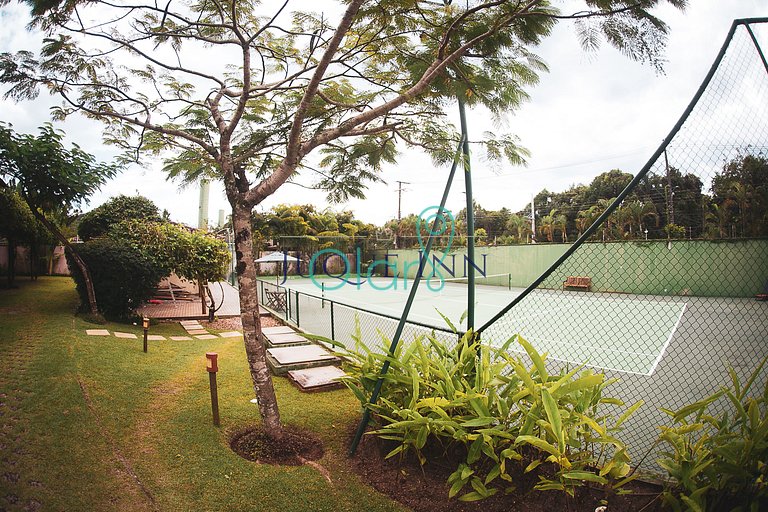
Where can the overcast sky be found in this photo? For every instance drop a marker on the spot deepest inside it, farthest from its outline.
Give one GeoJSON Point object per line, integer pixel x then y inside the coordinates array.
{"type": "Point", "coordinates": [593, 112]}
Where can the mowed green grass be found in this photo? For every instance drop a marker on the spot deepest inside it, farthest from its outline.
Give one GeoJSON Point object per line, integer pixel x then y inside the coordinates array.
{"type": "Point", "coordinates": [93, 423]}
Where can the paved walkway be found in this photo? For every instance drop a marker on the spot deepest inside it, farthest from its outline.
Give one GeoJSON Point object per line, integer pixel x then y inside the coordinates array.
{"type": "Point", "coordinates": [193, 309]}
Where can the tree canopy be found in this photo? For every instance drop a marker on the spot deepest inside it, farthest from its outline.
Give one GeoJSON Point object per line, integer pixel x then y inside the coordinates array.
{"type": "Point", "coordinates": [101, 219]}
{"type": "Point", "coordinates": [52, 180]}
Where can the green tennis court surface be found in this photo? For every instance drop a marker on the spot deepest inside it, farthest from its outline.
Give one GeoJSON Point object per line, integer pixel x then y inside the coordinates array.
{"type": "Point", "coordinates": [625, 333]}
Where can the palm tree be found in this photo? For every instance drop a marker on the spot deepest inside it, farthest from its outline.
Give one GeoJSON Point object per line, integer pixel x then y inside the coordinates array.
{"type": "Point", "coordinates": [740, 194]}
{"type": "Point", "coordinates": [611, 221]}
{"type": "Point", "coordinates": [634, 213]}
{"type": "Point", "coordinates": [723, 215]}
{"type": "Point", "coordinates": [560, 222]}
{"type": "Point", "coordinates": [519, 226]}
{"type": "Point", "coordinates": [547, 225]}
{"type": "Point", "coordinates": [586, 218]}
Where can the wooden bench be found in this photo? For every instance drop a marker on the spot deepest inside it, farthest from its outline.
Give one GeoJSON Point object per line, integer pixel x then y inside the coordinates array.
{"type": "Point", "coordinates": [578, 282]}
{"type": "Point", "coordinates": [276, 300]}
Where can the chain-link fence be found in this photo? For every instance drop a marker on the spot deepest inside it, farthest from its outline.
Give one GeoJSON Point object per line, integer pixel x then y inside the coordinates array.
{"type": "Point", "coordinates": [667, 316]}
{"type": "Point", "coordinates": [321, 316]}
{"type": "Point", "coordinates": [661, 290]}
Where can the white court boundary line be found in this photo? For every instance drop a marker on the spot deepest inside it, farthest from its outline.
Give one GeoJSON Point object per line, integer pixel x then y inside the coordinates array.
{"type": "Point", "coordinates": [428, 318]}
{"type": "Point", "coordinates": [671, 334]}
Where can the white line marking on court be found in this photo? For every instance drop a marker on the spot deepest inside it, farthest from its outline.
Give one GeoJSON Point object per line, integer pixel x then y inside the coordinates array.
{"type": "Point", "coordinates": [671, 334]}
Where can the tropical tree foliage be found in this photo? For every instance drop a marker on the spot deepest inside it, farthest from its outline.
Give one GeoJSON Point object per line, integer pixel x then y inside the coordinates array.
{"type": "Point", "coordinates": [52, 180]}
{"type": "Point", "coordinates": [737, 206]}
{"type": "Point", "coordinates": [305, 228]}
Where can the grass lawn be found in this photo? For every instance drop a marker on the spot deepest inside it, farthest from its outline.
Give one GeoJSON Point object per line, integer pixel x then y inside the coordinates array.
{"type": "Point", "coordinates": [93, 423]}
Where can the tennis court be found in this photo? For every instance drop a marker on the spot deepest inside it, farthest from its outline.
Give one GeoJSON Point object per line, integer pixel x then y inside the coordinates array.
{"type": "Point", "coordinates": [573, 327]}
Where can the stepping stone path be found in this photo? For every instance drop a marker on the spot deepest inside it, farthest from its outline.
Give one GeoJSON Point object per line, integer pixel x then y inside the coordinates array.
{"type": "Point", "coordinates": [230, 334]}
{"type": "Point", "coordinates": [321, 378]}
{"type": "Point", "coordinates": [126, 335]}
{"type": "Point", "coordinates": [181, 338]}
{"type": "Point", "coordinates": [309, 366]}
{"type": "Point", "coordinates": [97, 332]}
{"type": "Point", "coordinates": [285, 340]}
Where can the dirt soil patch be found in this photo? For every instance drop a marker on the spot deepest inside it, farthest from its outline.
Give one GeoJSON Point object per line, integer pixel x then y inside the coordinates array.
{"type": "Point", "coordinates": [295, 449]}
{"type": "Point", "coordinates": [424, 488]}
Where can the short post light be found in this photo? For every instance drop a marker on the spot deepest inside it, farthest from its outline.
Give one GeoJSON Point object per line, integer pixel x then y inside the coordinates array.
{"type": "Point", "coordinates": [145, 324]}
{"type": "Point", "coordinates": [212, 366]}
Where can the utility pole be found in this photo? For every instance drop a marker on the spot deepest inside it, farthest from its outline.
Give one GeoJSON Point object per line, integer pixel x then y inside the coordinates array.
{"type": "Point", "coordinates": [670, 193]}
{"type": "Point", "coordinates": [400, 197]}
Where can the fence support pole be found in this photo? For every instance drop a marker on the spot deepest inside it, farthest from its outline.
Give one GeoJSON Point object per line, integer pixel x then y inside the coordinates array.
{"type": "Point", "coordinates": [411, 296]}
{"type": "Point", "coordinates": [333, 330]}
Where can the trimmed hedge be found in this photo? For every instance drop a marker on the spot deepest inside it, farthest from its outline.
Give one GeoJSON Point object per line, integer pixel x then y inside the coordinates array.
{"type": "Point", "coordinates": [123, 276]}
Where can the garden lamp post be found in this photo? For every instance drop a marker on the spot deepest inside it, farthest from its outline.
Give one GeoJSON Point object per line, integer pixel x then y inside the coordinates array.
{"type": "Point", "coordinates": [145, 324]}
{"type": "Point", "coordinates": [212, 366]}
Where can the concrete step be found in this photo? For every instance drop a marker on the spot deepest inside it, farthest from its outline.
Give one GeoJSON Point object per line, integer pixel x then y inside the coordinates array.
{"type": "Point", "coordinates": [321, 378]}
{"type": "Point", "coordinates": [284, 359]}
{"type": "Point", "coordinates": [280, 329]}
{"type": "Point", "coordinates": [285, 340]}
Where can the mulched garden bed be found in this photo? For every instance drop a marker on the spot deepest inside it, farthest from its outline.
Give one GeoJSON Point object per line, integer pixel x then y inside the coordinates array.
{"type": "Point", "coordinates": [296, 447]}
{"type": "Point", "coordinates": [424, 488]}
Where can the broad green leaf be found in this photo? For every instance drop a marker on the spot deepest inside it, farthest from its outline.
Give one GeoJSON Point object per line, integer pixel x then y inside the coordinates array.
{"type": "Point", "coordinates": [629, 412]}
{"type": "Point", "coordinates": [697, 406]}
{"type": "Point", "coordinates": [473, 454]}
{"type": "Point", "coordinates": [479, 422]}
{"type": "Point", "coordinates": [538, 361]}
{"type": "Point", "coordinates": [585, 476]}
{"type": "Point", "coordinates": [538, 443]}
{"type": "Point", "coordinates": [584, 382]}
{"type": "Point", "coordinates": [553, 414]}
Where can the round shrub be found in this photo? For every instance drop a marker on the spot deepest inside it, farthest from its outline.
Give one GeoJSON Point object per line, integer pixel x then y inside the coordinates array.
{"type": "Point", "coordinates": [100, 220]}
{"type": "Point", "coordinates": [123, 276]}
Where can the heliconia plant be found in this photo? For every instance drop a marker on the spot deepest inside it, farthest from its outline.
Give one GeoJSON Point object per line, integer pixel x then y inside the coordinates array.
{"type": "Point", "coordinates": [485, 401]}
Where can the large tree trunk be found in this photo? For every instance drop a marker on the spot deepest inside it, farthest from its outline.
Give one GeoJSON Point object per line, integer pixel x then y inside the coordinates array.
{"type": "Point", "coordinates": [78, 260]}
{"type": "Point", "coordinates": [249, 313]}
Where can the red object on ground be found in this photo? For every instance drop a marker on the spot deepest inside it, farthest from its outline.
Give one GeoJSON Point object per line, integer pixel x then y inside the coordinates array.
{"type": "Point", "coordinates": [154, 301]}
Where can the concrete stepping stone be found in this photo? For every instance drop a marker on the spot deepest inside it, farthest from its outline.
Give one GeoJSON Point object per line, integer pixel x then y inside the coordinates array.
{"type": "Point", "coordinates": [281, 329]}
{"type": "Point", "coordinates": [97, 332]}
{"type": "Point", "coordinates": [321, 378]}
{"type": "Point", "coordinates": [286, 340]}
{"type": "Point", "coordinates": [181, 338]}
{"type": "Point", "coordinates": [207, 337]}
{"type": "Point", "coordinates": [189, 322]}
{"type": "Point", "coordinates": [155, 337]}
{"type": "Point", "coordinates": [285, 359]}
{"type": "Point", "coordinates": [197, 331]}
{"type": "Point", "coordinates": [230, 334]}
{"type": "Point", "coordinates": [126, 335]}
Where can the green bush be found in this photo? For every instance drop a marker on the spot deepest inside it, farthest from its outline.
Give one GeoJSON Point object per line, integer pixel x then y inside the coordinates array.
{"type": "Point", "coordinates": [486, 402]}
{"type": "Point", "coordinates": [99, 221]}
{"type": "Point", "coordinates": [123, 276]}
{"type": "Point", "coordinates": [719, 461]}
